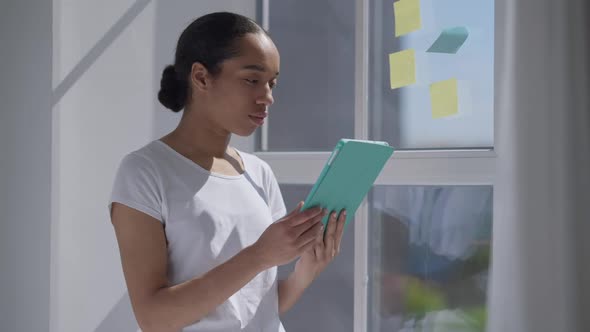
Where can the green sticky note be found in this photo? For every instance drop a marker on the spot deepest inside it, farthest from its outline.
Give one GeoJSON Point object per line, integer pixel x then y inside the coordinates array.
{"type": "Point", "coordinates": [407, 16]}
{"type": "Point", "coordinates": [449, 41]}
{"type": "Point", "coordinates": [444, 98]}
{"type": "Point", "coordinates": [402, 68]}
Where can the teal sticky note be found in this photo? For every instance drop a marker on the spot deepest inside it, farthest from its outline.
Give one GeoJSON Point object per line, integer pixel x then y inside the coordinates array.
{"type": "Point", "coordinates": [449, 41]}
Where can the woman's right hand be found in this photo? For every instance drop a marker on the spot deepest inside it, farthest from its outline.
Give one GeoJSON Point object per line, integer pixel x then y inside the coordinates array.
{"type": "Point", "coordinates": [289, 237]}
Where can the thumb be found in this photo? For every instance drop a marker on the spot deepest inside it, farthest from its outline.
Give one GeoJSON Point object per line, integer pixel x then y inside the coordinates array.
{"type": "Point", "coordinates": [297, 209]}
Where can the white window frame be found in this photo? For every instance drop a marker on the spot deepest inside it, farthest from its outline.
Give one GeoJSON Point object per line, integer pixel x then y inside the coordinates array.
{"type": "Point", "coordinates": [423, 167]}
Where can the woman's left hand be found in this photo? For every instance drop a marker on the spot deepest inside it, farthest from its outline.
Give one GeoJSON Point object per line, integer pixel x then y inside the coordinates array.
{"type": "Point", "coordinates": [315, 260]}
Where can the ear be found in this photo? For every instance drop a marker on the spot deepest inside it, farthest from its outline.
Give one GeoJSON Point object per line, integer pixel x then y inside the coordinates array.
{"type": "Point", "coordinates": [200, 77]}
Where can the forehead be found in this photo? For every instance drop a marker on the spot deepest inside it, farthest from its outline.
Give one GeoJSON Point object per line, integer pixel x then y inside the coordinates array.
{"type": "Point", "coordinates": [257, 49]}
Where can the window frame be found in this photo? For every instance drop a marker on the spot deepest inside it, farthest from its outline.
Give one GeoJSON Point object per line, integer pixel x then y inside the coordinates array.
{"type": "Point", "coordinates": [406, 167]}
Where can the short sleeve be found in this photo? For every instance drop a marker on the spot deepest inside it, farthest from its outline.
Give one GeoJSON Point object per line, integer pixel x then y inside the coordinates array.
{"type": "Point", "coordinates": [275, 198]}
{"type": "Point", "coordinates": [136, 185]}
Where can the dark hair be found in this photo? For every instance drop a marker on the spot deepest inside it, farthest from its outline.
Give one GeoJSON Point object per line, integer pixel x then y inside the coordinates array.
{"type": "Point", "coordinates": [209, 40]}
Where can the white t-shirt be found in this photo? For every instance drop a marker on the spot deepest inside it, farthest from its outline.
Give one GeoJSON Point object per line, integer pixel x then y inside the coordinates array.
{"type": "Point", "coordinates": [208, 218]}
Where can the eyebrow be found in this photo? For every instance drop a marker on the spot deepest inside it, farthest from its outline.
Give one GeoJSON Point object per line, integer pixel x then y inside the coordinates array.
{"type": "Point", "coordinates": [257, 68]}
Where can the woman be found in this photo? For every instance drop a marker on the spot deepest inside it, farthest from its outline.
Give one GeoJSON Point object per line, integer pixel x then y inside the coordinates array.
{"type": "Point", "coordinates": [194, 217]}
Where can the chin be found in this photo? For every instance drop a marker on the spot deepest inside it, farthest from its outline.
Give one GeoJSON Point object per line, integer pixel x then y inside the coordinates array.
{"type": "Point", "coordinates": [244, 132]}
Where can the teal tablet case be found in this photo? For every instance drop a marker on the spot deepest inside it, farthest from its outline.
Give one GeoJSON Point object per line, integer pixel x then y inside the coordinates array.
{"type": "Point", "coordinates": [348, 175]}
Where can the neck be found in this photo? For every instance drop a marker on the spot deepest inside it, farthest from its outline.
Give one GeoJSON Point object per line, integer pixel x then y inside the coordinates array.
{"type": "Point", "coordinates": [198, 135]}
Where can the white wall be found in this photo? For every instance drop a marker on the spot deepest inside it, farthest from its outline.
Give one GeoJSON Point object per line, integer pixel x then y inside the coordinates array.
{"type": "Point", "coordinates": [109, 56]}
{"type": "Point", "coordinates": [25, 161]}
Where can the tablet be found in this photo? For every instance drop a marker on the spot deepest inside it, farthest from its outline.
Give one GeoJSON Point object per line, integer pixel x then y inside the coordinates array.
{"type": "Point", "coordinates": [348, 175]}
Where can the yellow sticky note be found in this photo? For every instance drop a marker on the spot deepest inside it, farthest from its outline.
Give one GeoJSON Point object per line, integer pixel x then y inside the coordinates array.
{"type": "Point", "coordinates": [407, 16]}
{"type": "Point", "coordinates": [444, 98]}
{"type": "Point", "coordinates": [402, 68]}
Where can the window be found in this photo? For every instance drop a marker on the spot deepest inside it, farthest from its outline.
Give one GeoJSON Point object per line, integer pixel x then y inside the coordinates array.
{"type": "Point", "coordinates": [314, 97]}
{"type": "Point", "coordinates": [439, 181]}
{"type": "Point", "coordinates": [404, 116]}
{"type": "Point", "coordinates": [429, 257]}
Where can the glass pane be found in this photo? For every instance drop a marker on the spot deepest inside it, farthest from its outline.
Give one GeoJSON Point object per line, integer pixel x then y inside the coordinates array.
{"type": "Point", "coordinates": [328, 304]}
{"type": "Point", "coordinates": [458, 111]}
{"type": "Point", "coordinates": [429, 258]}
{"type": "Point", "coordinates": [314, 98]}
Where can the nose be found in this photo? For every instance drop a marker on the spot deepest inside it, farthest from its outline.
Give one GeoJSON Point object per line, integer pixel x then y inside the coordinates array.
{"type": "Point", "coordinates": [266, 98]}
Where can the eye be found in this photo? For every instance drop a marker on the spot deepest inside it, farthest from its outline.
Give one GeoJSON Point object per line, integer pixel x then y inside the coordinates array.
{"type": "Point", "coordinates": [272, 84]}
{"type": "Point", "coordinates": [251, 81]}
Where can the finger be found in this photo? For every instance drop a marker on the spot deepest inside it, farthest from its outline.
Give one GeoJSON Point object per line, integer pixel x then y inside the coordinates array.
{"type": "Point", "coordinates": [319, 246]}
{"type": "Point", "coordinates": [332, 224]}
{"type": "Point", "coordinates": [330, 236]}
{"type": "Point", "coordinates": [294, 211]}
{"type": "Point", "coordinates": [304, 227]}
{"type": "Point", "coordinates": [311, 245]}
{"type": "Point", "coordinates": [297, 208]}
{"type": "Point", "coordinates": [340, 229]}
{"type": "Point", "coordinates": [310, 235]}
{"type": "Point", "coordinates": [301, 217]}
{"type": "Point", "coordinates": [306, 247]}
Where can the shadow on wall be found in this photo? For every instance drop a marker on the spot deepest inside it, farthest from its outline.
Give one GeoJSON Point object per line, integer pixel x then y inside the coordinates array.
{"type": "Point", "coordinates": [120, 318]}
{"type": "Point", "coordinates": [98, 49]}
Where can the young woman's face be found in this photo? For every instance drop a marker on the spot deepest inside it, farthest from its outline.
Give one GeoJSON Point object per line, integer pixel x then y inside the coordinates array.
{"type": "Point", "coordinates": [242, 92]}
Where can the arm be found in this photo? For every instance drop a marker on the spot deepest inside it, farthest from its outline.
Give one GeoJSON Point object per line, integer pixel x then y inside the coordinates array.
{"type": "Point", "coordinates": [291, 289]}
{"type": "Point", "coordinates": [312, 263]}
{"type": "Point", "coordinates": [160, 307]}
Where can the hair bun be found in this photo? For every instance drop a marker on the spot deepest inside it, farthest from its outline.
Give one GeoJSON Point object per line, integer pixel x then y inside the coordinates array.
{"type": "Point", "coordinates": [172, 90]}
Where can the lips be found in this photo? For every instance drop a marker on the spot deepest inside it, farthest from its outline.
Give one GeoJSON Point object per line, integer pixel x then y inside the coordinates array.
{"type": "Point", "coordinates": [258, 119]}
